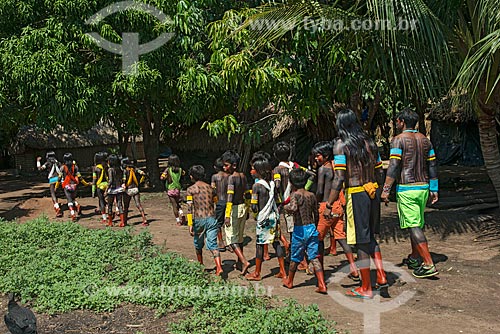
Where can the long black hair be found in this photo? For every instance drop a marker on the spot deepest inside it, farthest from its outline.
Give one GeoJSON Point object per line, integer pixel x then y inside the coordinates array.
{"type": "Point", "coordinates": [360, 146]}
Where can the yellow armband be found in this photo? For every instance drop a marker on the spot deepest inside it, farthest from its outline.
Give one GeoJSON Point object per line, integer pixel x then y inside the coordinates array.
{"type": "Point", "coordinates": [190, 219]}
{"type": "Point", "coordinates": [189, 199]}
{"type": "Point", "coordinates": [85, 183]}
{"type": "Point", "coordinates": [229, 209]}
{"type": "Point", "coordinates": [163, 175]}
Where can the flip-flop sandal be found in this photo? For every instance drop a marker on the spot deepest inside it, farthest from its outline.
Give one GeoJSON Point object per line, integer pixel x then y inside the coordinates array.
{"type": "Point", "coordinates": [222, 249]}
{"type": "Point", "coordinates": [354, 294]}
{"type": "Point", "coordinates": [354, 278]}
{"type": "Point", "coordinates": [381, 286]}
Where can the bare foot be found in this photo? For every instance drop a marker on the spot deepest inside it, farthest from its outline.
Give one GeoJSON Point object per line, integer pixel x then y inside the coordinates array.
{"type": "Point", "coordinates": [267, 257]}
{"type": "Point", "coordinates": [287, 284]}
{"type": "Point", "coordinates": [244, 269]}
{"type": "Point", "coordinates": [219, 272]}
{"type": "Point", "coordinates": [253, 276]}
{"type": "Point", "coordinates": [331, 252]}
{"type": "Point", "coordinates": [280, 275]}
{"type": "Point", "coordinates": [302, 267]}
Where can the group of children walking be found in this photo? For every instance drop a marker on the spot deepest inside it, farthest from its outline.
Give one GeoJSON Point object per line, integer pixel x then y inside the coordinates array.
{"type": "Point", "coordinates": [281, 203]}
{"type": "Point", "coordinates": [115, 182]}
{"type": "Point", "coordinates": [345, 175]}
{"type": "Point", "coordinates": [66, 175]}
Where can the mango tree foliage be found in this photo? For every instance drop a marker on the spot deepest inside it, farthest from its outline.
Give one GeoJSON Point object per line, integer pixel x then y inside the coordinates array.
{"type": "Point", "coordinates": [52, 73]}
{"type": "Point", "coordinates": [288, 76]}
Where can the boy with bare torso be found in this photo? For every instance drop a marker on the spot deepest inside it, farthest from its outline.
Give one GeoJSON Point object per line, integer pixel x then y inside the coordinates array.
{"type": "Point", "coordinates": [304, 207]}
{"type": "Point", "coordinates": [219, 184]}
{"type": "Point", "coordinates": [235, 215]}
{"type": "Point", "coordinates": [201, 216]}
{"type": "Point", "coordinates": [264, 195]}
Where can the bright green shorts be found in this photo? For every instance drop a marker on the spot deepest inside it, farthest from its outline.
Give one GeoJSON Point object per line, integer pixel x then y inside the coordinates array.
{"type": "Point", "coordinates": [411, 205]}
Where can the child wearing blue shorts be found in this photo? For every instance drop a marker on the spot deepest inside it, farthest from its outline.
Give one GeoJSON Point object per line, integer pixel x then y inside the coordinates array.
{"type": "Point", "coordinates": [304, 207]}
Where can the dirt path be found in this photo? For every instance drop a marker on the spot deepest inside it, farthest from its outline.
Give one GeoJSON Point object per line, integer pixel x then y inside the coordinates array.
{"type": "Point", "coordinates": [464, 298]}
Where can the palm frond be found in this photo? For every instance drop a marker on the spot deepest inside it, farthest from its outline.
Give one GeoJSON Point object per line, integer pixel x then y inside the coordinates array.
{"type": "Point", "coordinates": [482, 65]}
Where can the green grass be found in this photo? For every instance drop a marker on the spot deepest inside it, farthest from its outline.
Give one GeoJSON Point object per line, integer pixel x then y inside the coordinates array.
{"type": "Point", "coordinates": [61, 267]}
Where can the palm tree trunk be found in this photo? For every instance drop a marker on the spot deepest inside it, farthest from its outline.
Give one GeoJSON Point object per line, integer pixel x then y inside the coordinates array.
{"type": "Point", "coordinates": [489, 146]}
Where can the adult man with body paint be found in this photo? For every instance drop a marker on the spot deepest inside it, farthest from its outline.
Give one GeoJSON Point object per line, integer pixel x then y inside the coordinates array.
{"type": "Point", "coordinates": [413, 163]}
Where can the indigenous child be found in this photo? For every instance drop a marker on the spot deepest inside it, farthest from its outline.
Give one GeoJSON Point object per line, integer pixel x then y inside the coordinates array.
{"type": "Point", "coordinates": [116, 189]}
{"type": "Point", "coordinates": [219, 185]}
{"type": "Point", "coordinates": [358, 169]}
{"type": "Point", "coordinates": [235, 214]}
{"type": "Point", "coordinates": [54, 168]}
{"type": "Point", "coordinates": [131, 177]}
{"type": "Point", "coordinates": [172, 174]}
{"type": "Point", "coordinates": [70, 180]}
{"type": "Point", "coordinates": [100, 182]}
{"type": "Point", "coordinates": [413, 162]}
{"type": "Point", "coordinates": [304, 207]}
{"type": "Point", "coordinates": [282, 152]}
{"type": "Point", "coordinates": [264, 195]}
{"type": "Point", "coordinates": [323, 154]}
{"type": "Point", "coordinates": [259, 155]}
{"type": "Point", "coordinates": [201, 216]}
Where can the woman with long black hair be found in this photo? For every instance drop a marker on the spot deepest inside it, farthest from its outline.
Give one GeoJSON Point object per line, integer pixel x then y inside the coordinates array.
{"type": "Point", "coordinates": [358, 168]}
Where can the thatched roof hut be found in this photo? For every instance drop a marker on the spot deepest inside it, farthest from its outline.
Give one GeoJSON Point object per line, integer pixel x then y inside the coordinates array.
{"type": "Point", "coordinates": [454, 132]}
{"type": "Point", "coordinates": [32, 137]}
{"type": "Point", "coordinates": [32, 142]}
{"type": "Point", "coordinates": [459, 111]}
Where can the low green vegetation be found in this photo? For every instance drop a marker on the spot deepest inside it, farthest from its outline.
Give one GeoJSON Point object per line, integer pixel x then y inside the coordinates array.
{"type": "Point", "coordinates": [61, 267]}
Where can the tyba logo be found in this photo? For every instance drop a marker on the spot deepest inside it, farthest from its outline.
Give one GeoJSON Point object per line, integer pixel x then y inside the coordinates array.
{"type": "Point", "coordinates": [130, 49]}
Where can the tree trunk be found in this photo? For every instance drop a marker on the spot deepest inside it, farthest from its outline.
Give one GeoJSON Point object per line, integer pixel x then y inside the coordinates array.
{"type": "Point", "coordinates": [489, 145]}
{"type": "Point", "coordinates": [123, 142]}
{"type": "Point", "coordinates": [151, 137]}
{"type": "Point", "coordinates": [375, 106]}
{"type": "Point", "coordinates": [421, 116]}
{"type": "Point", "coordinates": [355, 104]}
